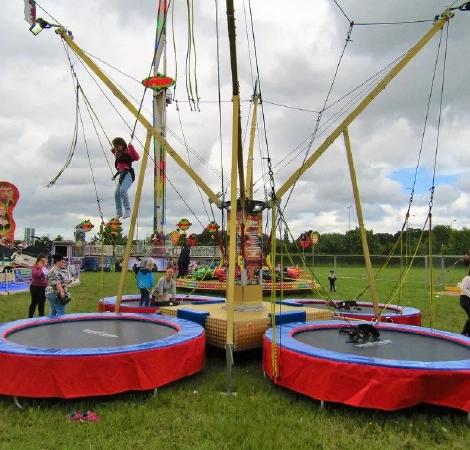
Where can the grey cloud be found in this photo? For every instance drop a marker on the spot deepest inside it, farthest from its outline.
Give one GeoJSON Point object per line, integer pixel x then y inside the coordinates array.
{"type": "Point", "coordinates": [297, 56]}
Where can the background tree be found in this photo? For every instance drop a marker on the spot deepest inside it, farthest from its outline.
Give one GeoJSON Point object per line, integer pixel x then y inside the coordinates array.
{"type": "Point", "coordinates": [108, 238]}
{"type": "Point", "coordinates": [331, 243]}
{"type": "Point", "coordinates": [440, 238]}
{"type": "Point", "coordinates": [385, 242]}
{"type": "Point", "coordinates": [44, 242]}
{"type": "Point", "coordinates": [459, 242]}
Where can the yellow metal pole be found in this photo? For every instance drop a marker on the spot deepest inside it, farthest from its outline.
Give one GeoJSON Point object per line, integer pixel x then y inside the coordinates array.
{"type": "Point", "coordinates": [233, 242]}
{"type": "Point", "coordinates": [360, 217]}
{"type": "Point", "coordinates": [431, 277]}
{"type": "Point", "coordinates": [249, 165]}
{"type": "Point", "coordinates": [130, 236]}
{"type": "Point", "coordinates": [123, 99]}
{"type": "Point", "coordinates": [273, 291]}
{"type": "Point", "coordinates": [362, 106]}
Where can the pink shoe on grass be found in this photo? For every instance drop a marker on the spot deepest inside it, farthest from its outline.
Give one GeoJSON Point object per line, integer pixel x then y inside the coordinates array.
{"type": "Point", "coordinates": [90, 416]}
{"type": "Point", "coordinates": [74, 417]}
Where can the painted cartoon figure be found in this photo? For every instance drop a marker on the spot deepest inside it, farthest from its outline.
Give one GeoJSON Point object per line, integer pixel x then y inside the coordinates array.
{"type": "Point", "coordinates": [9, 196]}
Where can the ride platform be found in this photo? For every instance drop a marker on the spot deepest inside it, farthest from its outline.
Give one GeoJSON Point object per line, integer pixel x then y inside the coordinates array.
{"type": "Point", "coordinates": [218, 286]}
{"type": "Point", "coordinates": [252, 318]}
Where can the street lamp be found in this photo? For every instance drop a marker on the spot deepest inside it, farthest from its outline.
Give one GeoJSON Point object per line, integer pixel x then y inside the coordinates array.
{"type": "Point", "coordinates": [452, 222]}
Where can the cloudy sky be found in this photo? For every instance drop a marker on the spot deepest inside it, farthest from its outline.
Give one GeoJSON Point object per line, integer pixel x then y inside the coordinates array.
{"type": "Point", "coordinates": [297, 51]}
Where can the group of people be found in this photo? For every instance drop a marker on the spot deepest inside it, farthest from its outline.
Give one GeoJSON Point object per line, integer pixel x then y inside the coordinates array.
{"type": "Point", "coordinates": [145, 281]}
{"type": "Point", "coordinates": [51, 284]}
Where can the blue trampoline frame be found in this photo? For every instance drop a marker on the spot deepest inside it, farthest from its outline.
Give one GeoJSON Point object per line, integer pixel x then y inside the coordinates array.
{"type": "Point", "coordinates": [185, 331]}
{"type": "Point", "coordinates": [285, 335]}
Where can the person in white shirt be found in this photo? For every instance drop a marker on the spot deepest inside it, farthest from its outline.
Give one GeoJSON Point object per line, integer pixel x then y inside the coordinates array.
{"type": "Point", "coordinates": [465, 302]}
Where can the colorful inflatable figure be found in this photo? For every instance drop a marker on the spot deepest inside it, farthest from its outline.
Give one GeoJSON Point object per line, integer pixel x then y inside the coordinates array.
{"type": "Point", "coordinates": [114, 224]}
{"type": "Point", "coordinates": [304, 240]}
{"type": "Point", "coordinates": [87, 225]}
{"type": "Point", "coordinates": [192, 239]}
{"type": "Point", "coordinates": [221, 273]}
{"type": "Point", "coordinates": [9, 196]}
{"type": "Point", "coordinates": [212, 227]}
{"type": "Point", "coordinates": [175, 237]}
{"type": "Point", "coordinates": [204, 273]}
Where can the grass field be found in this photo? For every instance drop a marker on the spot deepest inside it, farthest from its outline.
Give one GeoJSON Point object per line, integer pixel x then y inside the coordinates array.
{"type": "Point", "coordinates": [192, 413]}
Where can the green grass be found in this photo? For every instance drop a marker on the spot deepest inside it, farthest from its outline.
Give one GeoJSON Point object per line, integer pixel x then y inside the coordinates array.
{"type": "Point", "coordinates": [192, 414]}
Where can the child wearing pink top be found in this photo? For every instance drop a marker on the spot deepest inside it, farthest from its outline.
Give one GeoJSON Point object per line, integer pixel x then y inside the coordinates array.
{"type": "Point", "coordinates": [125, 154]}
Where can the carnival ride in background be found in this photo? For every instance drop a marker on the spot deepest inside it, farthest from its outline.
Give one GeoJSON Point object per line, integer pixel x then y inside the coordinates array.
{"type": "Point", "coordinates": [324, 353]}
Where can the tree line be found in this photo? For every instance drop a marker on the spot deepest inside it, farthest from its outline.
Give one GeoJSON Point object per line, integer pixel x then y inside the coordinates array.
{"type": "Point", "coordinates": [444, 239]}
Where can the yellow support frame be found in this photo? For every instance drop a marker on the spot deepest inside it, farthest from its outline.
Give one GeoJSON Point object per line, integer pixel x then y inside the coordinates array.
{"type": "Point", "coordinates": [445, 17]}
{"type": "Point", "coordinates": [360, 217]}
{"type": "Point", "coordinates": [249, 164]}
{"type": "Point", "coordinates": [123, 99]}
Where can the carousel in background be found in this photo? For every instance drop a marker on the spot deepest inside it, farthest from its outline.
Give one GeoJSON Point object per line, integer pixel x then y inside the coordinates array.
{"type": "Point", "coordinates": [253, 257]}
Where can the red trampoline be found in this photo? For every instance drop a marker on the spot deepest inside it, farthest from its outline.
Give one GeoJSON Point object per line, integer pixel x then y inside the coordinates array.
{"type": "Point", "coordinates": [130, 303]}
{"type": "Point", "coordinates": [405, 366]}
{"type": "Point", "coordinates": [363, 310]}
{"type": "Point", "coordinates": [83, 355]}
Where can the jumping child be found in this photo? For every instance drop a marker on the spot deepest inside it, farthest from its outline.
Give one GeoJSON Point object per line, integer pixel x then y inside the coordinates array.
{"type": "Point", "coordinates": [125, 155]}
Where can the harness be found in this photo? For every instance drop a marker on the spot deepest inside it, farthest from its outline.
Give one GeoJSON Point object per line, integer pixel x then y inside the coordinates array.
{"type": "Point", "coordinates": [126, 159]}
{"type": "Point", "coordinates": [360, 331]}
{"type": "Point", "coordinates": [350, 305]}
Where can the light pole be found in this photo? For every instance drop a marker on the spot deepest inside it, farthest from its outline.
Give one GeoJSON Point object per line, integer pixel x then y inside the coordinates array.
{"type": "Point", "coordinates": [451, 223]}
{"type": "Point", "coordinates": [349, 227]}
{"type": "Point", "coordinates": [349, 216]}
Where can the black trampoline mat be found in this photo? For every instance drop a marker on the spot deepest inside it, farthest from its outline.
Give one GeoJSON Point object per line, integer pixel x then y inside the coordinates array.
{"type": "Point", "coordinates": [94, 333]}
{"type": "Point", "coordinates": [393, 345]}
{"type": "Point", "coordinates": [358, 310]}
{"type": "Point", "coordinates": [130, 303]}
{"type": "Point", "coordinates": [135, 303]}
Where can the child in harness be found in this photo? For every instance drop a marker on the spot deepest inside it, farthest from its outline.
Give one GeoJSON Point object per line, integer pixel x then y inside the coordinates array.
{"type": "Point", "coordinates": [125, 155]}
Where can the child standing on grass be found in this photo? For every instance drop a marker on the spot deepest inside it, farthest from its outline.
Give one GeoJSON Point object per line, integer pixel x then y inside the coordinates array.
{"type": "Point", "coordinates": [145, 281]}
{"type": "Point", "coordinates": [332, 279]}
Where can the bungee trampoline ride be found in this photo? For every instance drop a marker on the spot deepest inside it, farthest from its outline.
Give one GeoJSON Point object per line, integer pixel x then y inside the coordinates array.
{"type": "Point", "coordinates": [372, 364]}
{"type": "Point", "coordinates": [437, 360]}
